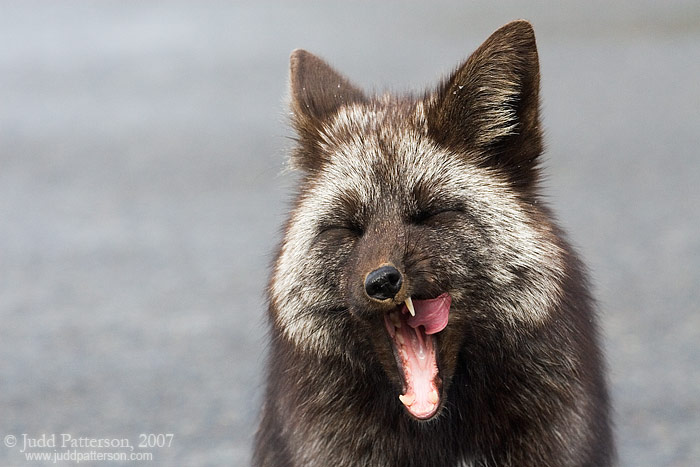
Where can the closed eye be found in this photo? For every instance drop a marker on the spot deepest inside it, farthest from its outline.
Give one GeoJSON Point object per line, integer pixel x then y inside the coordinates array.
{"type": "Point", "coordinates": [425, 216]}
{"type": "Point", "coordinates": [353, 229]}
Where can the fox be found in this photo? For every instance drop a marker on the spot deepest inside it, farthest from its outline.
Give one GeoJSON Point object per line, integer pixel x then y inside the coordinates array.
{"type": "Point", "coordinates": [424, 306]}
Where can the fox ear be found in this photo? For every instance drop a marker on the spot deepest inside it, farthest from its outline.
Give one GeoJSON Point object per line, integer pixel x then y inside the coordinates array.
{"type": "Point", "coordinates": [317, 92]}
{"type": "Point", "coordinates": [490, 105]}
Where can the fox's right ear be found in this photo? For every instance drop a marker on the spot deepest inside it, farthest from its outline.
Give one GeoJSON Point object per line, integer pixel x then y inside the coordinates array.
{"type": "Point", "coordinates": [317, 92]}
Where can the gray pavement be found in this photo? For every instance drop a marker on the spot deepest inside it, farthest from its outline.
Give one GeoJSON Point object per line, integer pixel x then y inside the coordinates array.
{"type": "Point", "coordinates": [142, 191]}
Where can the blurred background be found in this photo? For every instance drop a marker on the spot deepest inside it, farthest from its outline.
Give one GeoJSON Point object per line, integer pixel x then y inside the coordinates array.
{"type": "Point", "coordinates": [142, 192]}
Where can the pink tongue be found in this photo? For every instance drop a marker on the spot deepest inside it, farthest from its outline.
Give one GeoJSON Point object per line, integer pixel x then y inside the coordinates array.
{"type": "Point", "coordinates": [431, 314]}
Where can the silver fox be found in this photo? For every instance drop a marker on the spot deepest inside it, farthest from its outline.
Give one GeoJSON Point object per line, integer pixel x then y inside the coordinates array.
{"type": "Point", "coordinates": [424, 308]}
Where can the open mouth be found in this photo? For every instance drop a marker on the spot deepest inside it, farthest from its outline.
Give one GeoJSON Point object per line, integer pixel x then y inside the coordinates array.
{"type": "Point", "coordinates": [411, 327]}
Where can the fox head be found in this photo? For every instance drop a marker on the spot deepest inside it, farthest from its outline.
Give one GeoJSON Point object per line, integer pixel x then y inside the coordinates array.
{"type": "Point", "coordinates": [417, 227]}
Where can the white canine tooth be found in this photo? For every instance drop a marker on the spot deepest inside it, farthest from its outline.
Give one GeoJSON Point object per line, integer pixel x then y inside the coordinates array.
{"type": "Point", "coordinates": [433, 397]}
{"type": "Point", "coordinates": [407, 400]}
{"type": "Point", "coordinates": [399, 338]}
{"type": "Point", "coordinates": [409, 305]}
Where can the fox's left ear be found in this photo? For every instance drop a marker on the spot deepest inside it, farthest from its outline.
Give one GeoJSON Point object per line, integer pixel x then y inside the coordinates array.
{"type": "Point", "coordinates": [317, 93]}
{"type": "Point", "coordinates": [490, 105]}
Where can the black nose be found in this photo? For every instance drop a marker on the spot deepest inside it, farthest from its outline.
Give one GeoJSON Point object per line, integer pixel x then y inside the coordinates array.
{"type": "Point", "coordinates": [383, 283]}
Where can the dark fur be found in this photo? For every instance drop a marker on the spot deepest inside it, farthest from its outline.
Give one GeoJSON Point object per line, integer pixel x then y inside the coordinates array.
{"type": "Point", "coordinates": [515, 390]}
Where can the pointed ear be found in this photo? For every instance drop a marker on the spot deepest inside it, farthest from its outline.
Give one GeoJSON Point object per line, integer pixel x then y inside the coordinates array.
{"type": "Point", "coordinates": [490, 105]}
{"type": "Point", "coordinates": [317, 92]}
